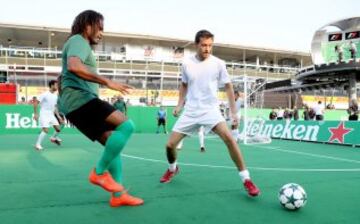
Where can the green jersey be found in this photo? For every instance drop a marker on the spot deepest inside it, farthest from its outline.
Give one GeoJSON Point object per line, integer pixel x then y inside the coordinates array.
{"type": "Point", "coordinates": [75, 91]}
{"type": "Point", "coordinates": [120, 105]}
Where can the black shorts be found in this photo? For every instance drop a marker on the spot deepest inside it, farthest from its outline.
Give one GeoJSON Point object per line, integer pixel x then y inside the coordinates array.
{"type": "Point", "coordinates": [90, 118]}
{"type": "Point", "coordinates": [161, 121]}
{"type": "Point", "coordinates": [319, 117]}
{"type": "Point", "coordinates": [353, 117]}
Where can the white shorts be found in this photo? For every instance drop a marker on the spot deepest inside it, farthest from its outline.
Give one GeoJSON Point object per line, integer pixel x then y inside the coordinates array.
{"type": "Point", "coordinates": [47, 119]}
{"type": "Point", "coordinates": [189, 123]}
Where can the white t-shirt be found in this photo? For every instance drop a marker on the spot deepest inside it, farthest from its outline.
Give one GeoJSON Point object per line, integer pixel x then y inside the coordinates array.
{"type": "Point", "coordinates": [48, 102]}
{"type": "Point", "coordinates": [319, 110]}
{"type": "Point", "coordinates": [203, 79]}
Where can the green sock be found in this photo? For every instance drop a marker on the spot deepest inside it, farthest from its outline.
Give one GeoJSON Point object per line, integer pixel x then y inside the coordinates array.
{"type": "Point", "coordinates": [115, 170]}
{"type": "Point", "coordinates": [114, 145]}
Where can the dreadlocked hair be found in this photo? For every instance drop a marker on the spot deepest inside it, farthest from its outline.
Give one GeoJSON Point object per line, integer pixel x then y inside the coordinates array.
{"type": "Point", "coordinates": [85, 18]}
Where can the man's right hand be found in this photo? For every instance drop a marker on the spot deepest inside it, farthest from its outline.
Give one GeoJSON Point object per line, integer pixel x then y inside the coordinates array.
{"type": "Point", "coordinates": [177, 111]}
{"type": "Point", "coordinates": [122, 88]}
{"type": "Point", "coordinates": [36, 117]}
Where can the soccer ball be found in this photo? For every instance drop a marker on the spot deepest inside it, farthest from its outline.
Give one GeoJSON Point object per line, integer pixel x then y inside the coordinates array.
{"type": "Point", "coordinates": [292, 196]}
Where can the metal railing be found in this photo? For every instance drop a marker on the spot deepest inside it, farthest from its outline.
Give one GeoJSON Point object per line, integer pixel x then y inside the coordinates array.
{"type": "Point", "coordinates": [44, 62]}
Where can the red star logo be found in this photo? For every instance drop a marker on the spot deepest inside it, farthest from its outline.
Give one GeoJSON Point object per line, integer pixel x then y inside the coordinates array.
{"type": "Point", "coordinates": [338, 133]}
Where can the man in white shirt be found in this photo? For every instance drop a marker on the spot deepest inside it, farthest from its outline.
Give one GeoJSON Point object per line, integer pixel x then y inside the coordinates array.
{"type": "Point", "coordinates": [280, 114]}
{"type": "Point", "coordinates": [339, 51]}
{"type": "Point", "coordinates": [319, 112]}
{"type": "Point", "coordinates": [238, 105]}
{"type": "Point", "coordinates": [48, 101]}
{"type": "Point", "coordinates": [201, 75]}
{"type": "Point", "coordinates": [353, 50]}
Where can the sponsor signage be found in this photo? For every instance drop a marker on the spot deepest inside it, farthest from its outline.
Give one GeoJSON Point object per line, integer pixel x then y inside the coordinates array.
{"type": "Point", "coordinates": [335, 37]}
{"type": "Point", "coordinates": [352, 35]}
{"type": "Point", "coordinates": [341, 132]}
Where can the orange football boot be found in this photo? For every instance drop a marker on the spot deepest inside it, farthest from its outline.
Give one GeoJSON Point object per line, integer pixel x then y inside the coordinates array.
{"type": "Point", "coordinates": [105, 181]}
{"type": "Point", "coordinates": [125, 199]}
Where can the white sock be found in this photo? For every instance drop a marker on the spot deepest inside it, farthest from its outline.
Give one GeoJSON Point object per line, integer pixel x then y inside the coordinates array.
{"type": "Point", "coordinates": [202, 139]}
{"type": "Point", "coordinates": [244, 175]}
{"type": "Point", "coordinates": [179, 146]}
{"type": "Point", "coordinates": [172, 166]}
{"type": "Point", "coordinates": [235, 133]}
{"type": "Point", "coordinates": [41, 137]}
{"type": "Point", "coordinates": [55, 134]}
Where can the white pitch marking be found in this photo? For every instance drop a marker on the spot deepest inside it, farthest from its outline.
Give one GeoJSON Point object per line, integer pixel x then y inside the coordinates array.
{"type": "Point", "coordinates": [253, 168]}
{"type": "Point", "coordinates": [303, 153]}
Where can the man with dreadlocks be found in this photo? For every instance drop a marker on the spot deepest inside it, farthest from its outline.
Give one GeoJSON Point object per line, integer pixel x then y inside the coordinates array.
{"type": "Point", "coordinates": [96, 119]}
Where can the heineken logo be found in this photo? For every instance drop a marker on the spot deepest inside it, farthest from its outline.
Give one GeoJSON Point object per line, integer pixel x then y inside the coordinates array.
{"type": "Point", "coordinates": [19, 121]}
{"type": "Point", "coordinates": [325, 131]}
{"type": "Point", "coordinates": [283, 130]}
{"type": "Point", "coordinates": [15, 120]}
{"type": "Point", "coordinates": [338, 133]}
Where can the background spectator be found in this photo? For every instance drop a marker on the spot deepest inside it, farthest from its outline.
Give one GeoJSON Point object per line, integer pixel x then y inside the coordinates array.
{"type": "Point", "coordinates": [273, 114]}
{"type": "Point", "coordinates": [319, 111]}
{"type": "Point", "coordinates": [353, 110]}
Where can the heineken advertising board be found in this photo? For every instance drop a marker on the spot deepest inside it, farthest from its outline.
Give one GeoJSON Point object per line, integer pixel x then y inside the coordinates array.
{"type": "Point", "coordinates": [340, 132]}
{"type": "Point", "coordinates": [18, 119]}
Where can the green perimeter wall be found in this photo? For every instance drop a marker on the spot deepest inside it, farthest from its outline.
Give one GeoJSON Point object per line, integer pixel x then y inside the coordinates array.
{"type": "Point", "coordinates": [18, 118]}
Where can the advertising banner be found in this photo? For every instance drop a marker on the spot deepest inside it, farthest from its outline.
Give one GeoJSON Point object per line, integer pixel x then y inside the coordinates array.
{"type": "Point", "coordinates": [340, 132]}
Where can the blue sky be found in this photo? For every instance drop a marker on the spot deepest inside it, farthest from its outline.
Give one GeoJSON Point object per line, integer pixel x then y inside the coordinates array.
{"type": "Point", "coordinates": [281, 24]}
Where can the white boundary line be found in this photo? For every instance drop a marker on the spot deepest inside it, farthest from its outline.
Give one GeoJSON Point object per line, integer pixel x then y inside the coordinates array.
{"type": "Point", "coordinates": [252, 168]}
{"type": "Point", "coordinates": [264, 168]}
{"type": "Point", "coordinates": [314, 155]}
{"type": "Point", "coordinates": [303, 153]}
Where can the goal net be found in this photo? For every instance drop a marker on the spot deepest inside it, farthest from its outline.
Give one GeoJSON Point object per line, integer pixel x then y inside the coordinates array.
{"type": "Point", "coordinates": [252, 117]}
